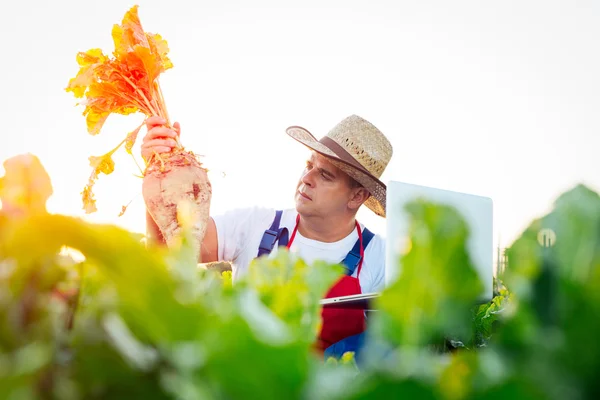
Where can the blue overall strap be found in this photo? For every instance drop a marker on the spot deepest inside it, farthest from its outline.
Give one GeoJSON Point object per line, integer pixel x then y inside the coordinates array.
{"type": "Point", "coordinates": [353, 257]}
{"type": "Point", "coordinates": [353, 343]}
{"type": "Point", "coordinates": [273, 234]}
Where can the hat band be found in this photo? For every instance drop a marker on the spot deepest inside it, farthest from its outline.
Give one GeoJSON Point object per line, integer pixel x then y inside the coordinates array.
{"type": "Point", "coordinates": [342, 153]}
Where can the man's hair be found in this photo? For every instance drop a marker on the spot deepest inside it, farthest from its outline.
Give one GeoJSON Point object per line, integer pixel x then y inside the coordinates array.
{"type": "Point", "coordinates": [354, 183]}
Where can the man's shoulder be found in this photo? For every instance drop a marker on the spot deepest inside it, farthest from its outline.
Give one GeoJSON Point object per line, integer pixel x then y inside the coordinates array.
{"type": "Point", "coordinates": [377, 240]}
{"type": "Point", "coordinates": [374, 267]}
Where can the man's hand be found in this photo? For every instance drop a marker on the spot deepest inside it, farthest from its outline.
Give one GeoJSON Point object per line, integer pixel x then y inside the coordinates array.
{"type": "Point", "coordinates": [159, 138]}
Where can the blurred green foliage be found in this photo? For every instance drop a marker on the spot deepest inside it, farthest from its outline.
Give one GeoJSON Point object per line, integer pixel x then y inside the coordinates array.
{"type": "Point", "coordinates": [123, 321]}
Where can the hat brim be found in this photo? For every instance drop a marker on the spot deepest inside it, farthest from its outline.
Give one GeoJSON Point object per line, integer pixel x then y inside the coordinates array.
{"type": "Point", "coordinates": [378, 190]}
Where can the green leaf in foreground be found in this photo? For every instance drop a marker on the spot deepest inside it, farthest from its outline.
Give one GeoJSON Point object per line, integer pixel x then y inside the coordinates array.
{"type": "Point", "coordinates": [438, 285]}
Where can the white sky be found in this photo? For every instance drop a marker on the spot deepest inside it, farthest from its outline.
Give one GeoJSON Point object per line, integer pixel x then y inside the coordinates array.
{"type": "Point", "coordinates": [499, 99]}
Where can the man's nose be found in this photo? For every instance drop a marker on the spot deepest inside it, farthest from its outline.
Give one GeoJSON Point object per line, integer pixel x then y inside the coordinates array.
{"type": "Point", "coordinates": [308, 178]}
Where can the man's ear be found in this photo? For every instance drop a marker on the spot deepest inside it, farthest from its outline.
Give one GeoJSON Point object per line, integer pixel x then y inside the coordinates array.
{"type": "Point", "coordinates": [358, 197]}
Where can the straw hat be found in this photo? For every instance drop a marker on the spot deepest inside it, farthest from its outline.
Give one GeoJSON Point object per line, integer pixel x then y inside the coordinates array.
{"type": "Point", "coordinates": [359, 149]}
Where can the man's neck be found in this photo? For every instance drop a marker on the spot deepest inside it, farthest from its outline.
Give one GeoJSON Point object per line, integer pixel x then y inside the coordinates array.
{"type": "Point", "coordinates": [326, 230]}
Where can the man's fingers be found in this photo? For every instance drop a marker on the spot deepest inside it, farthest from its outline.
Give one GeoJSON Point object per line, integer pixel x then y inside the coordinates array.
{"type": "Point", "coordinates": [159, 138]}
{"type": "Point", "coordinates": [159, 132]}
{"type": "Point", "coordinates": [159, 142]}
{"type": "Point", "coordinates": [160, 149]}
{"type": "Point", "coordinates": [154, 121]}
{"type": "Point", "coordinates": [147, 152]}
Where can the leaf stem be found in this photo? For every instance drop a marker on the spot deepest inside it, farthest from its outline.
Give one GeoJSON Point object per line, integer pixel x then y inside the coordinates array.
{"type": "Point", "coordinates": [161, 99]}
{"type": "Point", "coordinates": [110, 153]}
{"type": "Point", "coordinates": [136, 163]}
{"type": "Point", "coordinates": [139, 91]}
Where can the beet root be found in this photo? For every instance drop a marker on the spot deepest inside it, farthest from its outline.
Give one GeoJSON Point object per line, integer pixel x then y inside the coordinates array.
{"type": "Point", "coordinates": [170, 181]}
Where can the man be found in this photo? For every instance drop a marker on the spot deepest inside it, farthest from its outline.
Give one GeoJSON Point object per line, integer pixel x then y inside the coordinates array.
{"type": "Point", "coordinates": [341, 175]}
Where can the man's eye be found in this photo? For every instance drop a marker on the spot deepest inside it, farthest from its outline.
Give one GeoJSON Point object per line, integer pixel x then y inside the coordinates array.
{"type": "Point", "coordinates": [325, 176]}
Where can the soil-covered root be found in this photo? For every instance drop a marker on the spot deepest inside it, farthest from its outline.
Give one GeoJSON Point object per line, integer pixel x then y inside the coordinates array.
{"type": "Point", "coordinates": [170, 181]}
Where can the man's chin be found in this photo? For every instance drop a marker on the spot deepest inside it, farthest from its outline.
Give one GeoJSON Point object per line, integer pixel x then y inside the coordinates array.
{"type": "Point", "coordinates": [300, 205]}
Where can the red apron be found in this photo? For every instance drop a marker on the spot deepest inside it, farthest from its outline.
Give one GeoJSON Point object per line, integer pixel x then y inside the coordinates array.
{"type": "Point", "coordinates": [340, 323]}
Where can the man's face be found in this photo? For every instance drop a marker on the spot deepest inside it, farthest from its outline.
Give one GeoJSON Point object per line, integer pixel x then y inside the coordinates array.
{"type": "Point", "coordinates": [323, 189]}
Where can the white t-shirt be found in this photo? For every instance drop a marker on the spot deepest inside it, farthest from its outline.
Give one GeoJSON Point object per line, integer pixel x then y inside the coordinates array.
{"type": "Point", "coordinates": [240, 231]}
